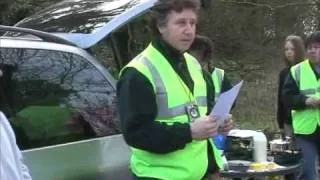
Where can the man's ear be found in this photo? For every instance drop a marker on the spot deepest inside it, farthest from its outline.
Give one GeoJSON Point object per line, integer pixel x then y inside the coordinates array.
{"type": "Point", "coordinates": [161, 28]}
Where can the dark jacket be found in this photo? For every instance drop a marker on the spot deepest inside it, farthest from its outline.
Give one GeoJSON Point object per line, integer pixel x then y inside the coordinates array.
{"type": "Point", "coordinates": [283, 110]}
{"type": "Point", "coordinates": [138, 109]}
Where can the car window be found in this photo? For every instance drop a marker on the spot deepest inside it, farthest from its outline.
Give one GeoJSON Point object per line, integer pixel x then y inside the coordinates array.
{"type": "Point", "coordinates": [140, 33]}
{"type": "Point", "coordinates": [104, 52]}
{"type": "Point", "coordinates": [54, 97]}
{"type": "Point", "coordinates": [116, 50]}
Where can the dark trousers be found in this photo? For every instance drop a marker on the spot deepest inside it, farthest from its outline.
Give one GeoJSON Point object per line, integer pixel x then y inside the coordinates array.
{"type": "Point", "coordinates": [310, 150]}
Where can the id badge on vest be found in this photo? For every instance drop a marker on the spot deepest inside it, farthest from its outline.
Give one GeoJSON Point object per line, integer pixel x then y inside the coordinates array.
{"type": "Point", "coordinates": [192, 111]}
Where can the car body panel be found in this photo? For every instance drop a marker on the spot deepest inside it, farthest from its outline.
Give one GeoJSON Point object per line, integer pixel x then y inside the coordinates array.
{"type": "Point", "coordinates": [101, 158]}
{"type": "Point", "coordinates": [98, 158]}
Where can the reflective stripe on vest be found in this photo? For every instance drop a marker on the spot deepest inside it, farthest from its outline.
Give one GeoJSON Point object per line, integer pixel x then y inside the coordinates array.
{"type": "Point", "coordinates": [191, 161]}
{"type": "Point", "coordinates": [162, 99]}
{"type": "Point", "coordinates": [217, 77]}
{"type": "Point", "coordinates": [306, 121]}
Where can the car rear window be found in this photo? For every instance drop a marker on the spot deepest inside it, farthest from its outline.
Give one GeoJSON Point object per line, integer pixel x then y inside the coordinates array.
{"type": "Point", "coordinates": [53, 97]}
{"type": "Point", "coordinates": [85, 16]}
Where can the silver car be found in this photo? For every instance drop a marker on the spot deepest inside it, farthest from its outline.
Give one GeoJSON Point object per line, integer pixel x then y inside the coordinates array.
{"type": "Point", "coordinates": [58, 84]}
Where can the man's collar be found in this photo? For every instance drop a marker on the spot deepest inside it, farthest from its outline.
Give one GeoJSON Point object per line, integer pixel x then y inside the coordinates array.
{"type": "Point", "coordinates": [170, 53]}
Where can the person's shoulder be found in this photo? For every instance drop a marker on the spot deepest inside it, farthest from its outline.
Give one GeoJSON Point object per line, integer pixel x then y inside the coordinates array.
{"type": "Point", "coordinates": [285, 71]}
{"type": "Point", "coordinates": [193, 59]}
{"type": "Point", "coordinates": [6, 129]}
{"type": "Point", "coordinates": [3, 120]}
{"type": "Point", "coordinates": [132, 67]}
{"type": "Point", "coordinates": [217, 69]}
{"type": "Point", "coordinates": [297, 66]}
{"type": "Point", "coordinates": [304, 62]}
{"type": "Point", "coordinates": [135, 60]}
{"type": "Point", "coordinates": [130, 73]}
{"type": "Point", "coordinates": [189, 56]}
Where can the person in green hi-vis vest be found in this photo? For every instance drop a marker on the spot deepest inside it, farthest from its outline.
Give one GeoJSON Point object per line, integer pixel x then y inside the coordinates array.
{"type": "Point", "coordinates": [202, 48]}
{"type": "Point", "coordinates": [162, 102]}
{"type": "Point", "coordinates": [301, 92]}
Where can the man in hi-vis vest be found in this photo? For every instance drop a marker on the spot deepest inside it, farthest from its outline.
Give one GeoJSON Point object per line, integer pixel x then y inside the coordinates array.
{"type": "Point", "coordinates": [301, 91]}
{"type": "Point", "coordinates": [162, 98]}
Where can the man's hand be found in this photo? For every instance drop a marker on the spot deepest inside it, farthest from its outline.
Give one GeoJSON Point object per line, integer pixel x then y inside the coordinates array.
{"type": "Point", "coordinates": [228, 125]}
{"type": "Point", "coordinates": [313, 102]}
{"type": "Point", "coordinates": [204, 128]}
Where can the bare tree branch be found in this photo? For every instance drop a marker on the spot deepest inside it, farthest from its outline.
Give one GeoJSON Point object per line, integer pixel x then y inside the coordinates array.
{"type": "Point", "coordinates": [298, 4]}
{"type": "Point", "coordinates": [272, 7]}
{"type": "Point", "coordinates": [247, 3]}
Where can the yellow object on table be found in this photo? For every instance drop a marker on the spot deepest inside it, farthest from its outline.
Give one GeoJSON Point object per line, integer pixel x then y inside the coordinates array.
{"type": "Point", "coordinates": [263, 166]}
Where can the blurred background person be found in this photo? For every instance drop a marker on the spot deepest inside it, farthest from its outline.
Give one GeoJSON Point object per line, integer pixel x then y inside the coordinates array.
{"type": "Point", "coordinates": [202, 49]}
{"type": "Point", "coordinates": [301, 93]}
{"type": "Point", "coordinates": [294, 53]}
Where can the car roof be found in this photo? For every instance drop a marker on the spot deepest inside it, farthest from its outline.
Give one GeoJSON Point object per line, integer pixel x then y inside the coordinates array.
{"type": "Point", "coordinates": [86, 22]}
{"type": "Point", "coordinates": [31, 34]}
{"type": "Point", "coordinates": [29, 42]}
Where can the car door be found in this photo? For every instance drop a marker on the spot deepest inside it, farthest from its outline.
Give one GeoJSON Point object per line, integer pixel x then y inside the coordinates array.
{"type": "Point", "coordinates": [61, 104]}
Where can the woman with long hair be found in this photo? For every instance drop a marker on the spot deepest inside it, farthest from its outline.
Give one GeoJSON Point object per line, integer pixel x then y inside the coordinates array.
{"type": "Point", "coordinates": [294, 52]}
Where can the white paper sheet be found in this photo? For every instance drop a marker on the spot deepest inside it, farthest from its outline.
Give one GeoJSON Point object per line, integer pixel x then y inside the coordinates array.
{"type": "Point", "coordinates": [224, 103]}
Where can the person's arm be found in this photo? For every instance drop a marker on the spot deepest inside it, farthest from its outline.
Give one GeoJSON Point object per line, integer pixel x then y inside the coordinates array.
{"type": "Point", "coordinates": [24, 168]}
{"type": "Point", "coordinates": [210, 90]}
{"type": "Point", "coordinates": [291, 95]}
{"type": "Point", "coordinates": [11, 163]}
{"type": "Point", "coordinates": [138, 110]}
{"type": "Point", "coordinates": [227, 85]}
{"type": "Point", "coordinates": [280, 106]}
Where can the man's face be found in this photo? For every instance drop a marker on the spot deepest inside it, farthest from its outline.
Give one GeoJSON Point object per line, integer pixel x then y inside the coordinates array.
{"type": "Point", "coordinates": [180, 29]}
{"type": "Point", "coordinates": [313, 52]}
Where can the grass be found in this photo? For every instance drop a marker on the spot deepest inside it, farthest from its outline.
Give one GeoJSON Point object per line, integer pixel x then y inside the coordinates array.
{"type": "Point", "coordinates": [256, 106]}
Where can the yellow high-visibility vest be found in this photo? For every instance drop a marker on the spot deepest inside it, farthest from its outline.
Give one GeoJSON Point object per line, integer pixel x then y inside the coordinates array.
{"type": "Point", "coordinates": [306, 121]}
{"type": "Point", "coordinates": [217, 77]}
{"type": "Point", "coordinates": [172, 96]}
